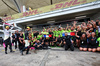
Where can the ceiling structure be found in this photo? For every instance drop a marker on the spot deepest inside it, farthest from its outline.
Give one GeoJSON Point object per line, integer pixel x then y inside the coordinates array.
{"type": "Point", "coordinates": [4, 9]}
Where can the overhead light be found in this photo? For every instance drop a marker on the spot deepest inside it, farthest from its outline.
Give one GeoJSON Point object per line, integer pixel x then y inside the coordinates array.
{"type": "Point", "coordinates": [30, 25]}
{"type": "Point", "coordinates": [80, 17]}
{"type": "Point", "coordinates": [51, 22]}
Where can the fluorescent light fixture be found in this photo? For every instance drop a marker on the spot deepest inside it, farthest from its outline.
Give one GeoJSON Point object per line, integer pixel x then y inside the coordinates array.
{"type": "Point", "coordinates": [30, 25]}
{"type": "Point", "coordinates": [51, 22]}
{"type": "Point", "coordinates": [80, 17]}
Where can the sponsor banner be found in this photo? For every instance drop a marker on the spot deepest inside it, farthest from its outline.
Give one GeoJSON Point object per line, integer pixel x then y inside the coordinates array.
{"type": "Point", "coordinates": [61, 5]}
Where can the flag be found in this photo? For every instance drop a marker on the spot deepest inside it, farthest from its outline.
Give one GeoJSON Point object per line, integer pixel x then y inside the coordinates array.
{"type": "Point", "coordinates": [46, 36]}
{"type": "Point", "coordinates": [50, 35]}
{"type": "Point", "coordinates": [63, 34]}
{"type": "Point", "coordinates": [71, 33]}
{"type": "Point", "coordinates": [7, 24]}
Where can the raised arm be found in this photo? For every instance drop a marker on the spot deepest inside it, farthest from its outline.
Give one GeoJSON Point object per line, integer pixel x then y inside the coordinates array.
{"type": "Point", "coordinates": [67, 26]}
{"type": "Point", "coordinates": [74, 24]}
{"type": "Point", "coordinates": [12, 27]}
{"type": "Point", "coordinates": [4, 26]}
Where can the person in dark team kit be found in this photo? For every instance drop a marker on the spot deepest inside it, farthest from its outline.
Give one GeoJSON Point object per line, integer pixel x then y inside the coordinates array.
{"type": "Point", "coordinates": [14, 40]}
{"type": "Point", "coordinates": [93, 43]}
{"type": "Point", "coordinates": [21, 42]}
{"type": "Point", "coordinates": [88, 38]}
{"type": "Point", "coordinates": [36, 33]}
{"type": "Point", "coordinates": [59, 41]}
{"type": "Point", "coordinates": [41, 41]}
{"type": "Point", "coordinates": [50, 36]}
{"type": "Point", "coordinates": [83, 41]}
{"type": "Point", "coordinates": [53, 43]}
{"type": "Point", "coordinates": [68, 42]}
{"type": "Point", "coordinates": [46, 43]}
{"type": "Point", "coordinates": [26, 41]}
{"type": "Point", "coordinates": [78, 35]}
{"type": "Point", "coordinates": [17, 38]}
{"type": "Point", "coordinates": [38, 45]}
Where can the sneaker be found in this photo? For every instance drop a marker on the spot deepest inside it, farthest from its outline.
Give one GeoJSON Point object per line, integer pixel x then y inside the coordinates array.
{"type": "Point", "coordinates": [28, 53]}
{"type": "Point", "coordinates": [6, 53]}
{"type": "Point", "coordinates": [0, 45]}
{"type": "Point", "coordinates": [15, 48]}
{"type": "Point", "coordinates": [12, 51]}
{"type": "Point", "coordinates": [49, 47]}
{"type": "Point", "coordinates": [21, 52]}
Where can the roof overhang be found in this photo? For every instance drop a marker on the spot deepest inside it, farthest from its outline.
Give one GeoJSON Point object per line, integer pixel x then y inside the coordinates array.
{"type": "Point", "coordinates": [65, 11]}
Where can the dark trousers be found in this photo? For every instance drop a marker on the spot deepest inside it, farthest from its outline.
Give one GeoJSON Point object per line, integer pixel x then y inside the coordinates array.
{"type": "Point", "coordinates": [15, 41]}
{"type": "Point", "coordinates": [67, 46]}
{"type": "Point", "coordinates": [20, 46]}
{"type": "Point", "coordinates": [24, 48]}
{"type": "Point", "coordinates": [8, 42]}
{"type": "Point", "coordinates": [44, 46]}
{"type": "Point", "coordinates": [36, 47]}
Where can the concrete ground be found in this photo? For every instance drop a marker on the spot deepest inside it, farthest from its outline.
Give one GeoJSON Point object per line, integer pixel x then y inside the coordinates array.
{"type": "Point", "coordinates": [51, 57]}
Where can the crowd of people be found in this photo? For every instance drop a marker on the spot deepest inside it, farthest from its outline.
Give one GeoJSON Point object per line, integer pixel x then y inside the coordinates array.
{"type": "Point", "coordinates": [85, 36]}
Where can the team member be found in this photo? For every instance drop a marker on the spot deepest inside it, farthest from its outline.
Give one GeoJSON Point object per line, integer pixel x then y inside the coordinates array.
{"type": "Point", "coordinates": [98, 27]}
{"type": "Point", "coordinates": [59, 41]}
{"type": "Point", "coordinates": [38, 45]}
{"type": "Point", "coordinates": [93, 43]}
{"type": "Point", "coordinates": [53, 43]}
{"type": "Point", "coordinates": [88, 38]}
{"type": "Point", "coordinates": [36, 33]}
{"type": "Point", "coordinates": [68, 42]}
{"type": "Point", "coordinates": [21, 42]}
{"type": "Point", "coordinates": [83, 40]}
{"type": "Point", "coordinates": [78, 35]}
{"type": "Point", "coordinates": [50, 36]}
{"type": "Point", "coordinates": [14, 40]}
{"type": "Point", "coordinates": [46, 43]}
{"type": "Point", "coordinates": [7, 39]}
{"type": "Point", "coordinates": [39, 36]}
{"type": "Point", "coordinates": [27, 42]}
{"type": "Point", "coordinates": [17, 34]}
{"type": "Point", "coordinates": [98, 48]}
